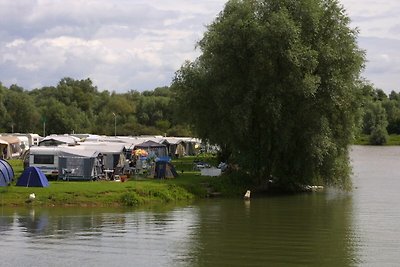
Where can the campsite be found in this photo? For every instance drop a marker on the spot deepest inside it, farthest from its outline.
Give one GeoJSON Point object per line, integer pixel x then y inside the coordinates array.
{"type": "Point", "coordinates": [188, 186]}
{"type": "Point", "coordinates": [102, 157]}
{"type": "Point", "coordinates": [106, 171]}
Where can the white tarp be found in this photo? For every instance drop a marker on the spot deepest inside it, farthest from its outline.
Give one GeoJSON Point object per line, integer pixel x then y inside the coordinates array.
{"type": "Point", "coordinates": [210, 172]}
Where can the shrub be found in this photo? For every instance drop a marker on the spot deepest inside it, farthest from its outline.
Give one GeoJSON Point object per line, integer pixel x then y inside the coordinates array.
{"type": "Point", "coordinates": [130, 199]}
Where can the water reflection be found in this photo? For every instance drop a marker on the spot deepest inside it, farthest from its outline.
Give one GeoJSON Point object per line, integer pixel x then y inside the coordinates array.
{"type": "Point", "coordinates": [310, 230]}
{"type": "Point", "coordinates": [33, 223]}
{"type": "Point", "coordinates": [319, 229]}
{"type": "Point", "coordinates": [86, 237]}
{"type": "Point", "coordinates": [376, 210]}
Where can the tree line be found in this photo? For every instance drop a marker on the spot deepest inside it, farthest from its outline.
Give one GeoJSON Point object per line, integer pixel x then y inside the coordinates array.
{"type": "Point", "coordinates": [77, 106]}
{"type": "Point", "coordinates": [380, 114]}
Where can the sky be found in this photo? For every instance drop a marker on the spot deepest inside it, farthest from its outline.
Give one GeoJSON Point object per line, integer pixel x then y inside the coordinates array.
{"type": "Point", "coordinates": [124, 45]}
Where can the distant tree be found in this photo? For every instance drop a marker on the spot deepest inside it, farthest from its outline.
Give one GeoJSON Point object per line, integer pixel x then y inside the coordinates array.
{"type": "Point", "coordinates": [394, 96]}
{"type": "Point", "coordinates": [22, 114]}
{"type": "Point", "coordinates": [375, 123]}
{"type": "Point", "coordinates": [276, 87]}
{"type": "Point", "coordinates": [152, 108]}
{"type": "Point", "coordinates": [180, 130]}
{"type": "Point", "coordinates": [3, 111]}
{"type": "Point", "coordinates": [77, 106]}
{"type": "Point", "coordinates": [80, 92]}
{"type": "Point", "coordinates": [380, 95]}
{"type": "Point", "coordinates": [60, 118]}
{"type": "Point", "coordinates": [379, 136]}
{"type": "Point", "coordinates": [392, 110]}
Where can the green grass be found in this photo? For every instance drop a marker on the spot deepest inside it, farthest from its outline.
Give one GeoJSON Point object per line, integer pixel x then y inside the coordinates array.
{"type": "Point", "coordinates": [393, 140]}
{"type": "Point", "coordinates": [362, 139]}
{"type": "Point", "coordinates": [187, 163]}
{"type": "Point", "coordinates": [17, 166]}
{"type": "Point", "coordinates": [99, 193]}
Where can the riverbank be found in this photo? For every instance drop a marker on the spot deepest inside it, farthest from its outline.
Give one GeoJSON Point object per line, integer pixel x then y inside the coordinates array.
{"type": "Point", "coordinates": [393, 140]}
{"type": "Point", "coordinates": [188, 186]}
{"type": "Point", "coordinates": [99, 194]}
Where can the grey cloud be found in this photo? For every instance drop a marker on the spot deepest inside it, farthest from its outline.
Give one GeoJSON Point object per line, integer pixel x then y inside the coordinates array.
{"type": "Point", "coordinates": [138, 44]}
{"type": "Point", "coordinates": [28, 19]}
{"type": "Point", "coordinates": [395, 29]}
{"type": "Point", "coordinates": [121, 44]}
{"type": "Point", "coordinates": [383, 66]}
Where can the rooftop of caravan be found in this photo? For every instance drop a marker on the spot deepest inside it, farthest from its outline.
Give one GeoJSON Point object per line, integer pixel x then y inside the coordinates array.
{"type": "Point", "coordinates": [103, 147]}
{"type": "Point", "coordinates": [55, 140]}
{"type": "Point", "coordinates": [64, 150]}
{"type": "Point", "coordinates": [129, 141]}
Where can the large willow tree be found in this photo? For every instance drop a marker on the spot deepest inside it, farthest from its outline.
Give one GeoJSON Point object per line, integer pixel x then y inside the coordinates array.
{"type": "Point", "coordinates": [276, 87]}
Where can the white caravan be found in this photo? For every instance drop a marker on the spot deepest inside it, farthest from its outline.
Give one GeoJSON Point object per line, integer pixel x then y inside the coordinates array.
{"type": "Point", "coordinates": [45, 158]}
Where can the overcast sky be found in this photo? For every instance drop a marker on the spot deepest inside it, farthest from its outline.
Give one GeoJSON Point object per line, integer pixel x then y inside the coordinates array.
{"type": "Point", "coordinates": [139, 44]}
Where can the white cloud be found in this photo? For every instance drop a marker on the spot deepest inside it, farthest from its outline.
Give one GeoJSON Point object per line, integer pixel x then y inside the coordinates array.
{"type": "Point", "coordinates": [139, 44]}
{"type": "Point", "coordinates": [378, 23]}
{"type": "Point", "coordinates": [121, 45]}
{"type": "Point", "coordinates": [383, 66]}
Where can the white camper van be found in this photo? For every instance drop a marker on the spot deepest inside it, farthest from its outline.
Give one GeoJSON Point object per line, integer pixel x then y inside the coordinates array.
{"type": "Point", "coordinates": [45, 158]}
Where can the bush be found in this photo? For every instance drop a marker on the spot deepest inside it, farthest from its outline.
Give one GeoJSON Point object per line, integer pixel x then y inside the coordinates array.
{"type": "Point", "coordinates": [130, 199]}
{"type": "Point", "coordinates": [379, 136]}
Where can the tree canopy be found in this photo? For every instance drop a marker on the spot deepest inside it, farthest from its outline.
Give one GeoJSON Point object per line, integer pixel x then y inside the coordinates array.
{"type": "Point", "coordinates": [77, 106]}
{"type": "Point", "coordinates": [276, 87]}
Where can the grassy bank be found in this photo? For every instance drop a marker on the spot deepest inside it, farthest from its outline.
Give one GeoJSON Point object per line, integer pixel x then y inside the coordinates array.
{"type": "Point", "coordinates": [97, 193]}
{"type": "Point", "coordinates": [393, 140]}
{"type": "Point", "coordinates": [136, 191]}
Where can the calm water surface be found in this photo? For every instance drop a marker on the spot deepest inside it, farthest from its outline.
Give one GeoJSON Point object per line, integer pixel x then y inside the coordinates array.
{"type": "Point", "coordinates": [321, 229]}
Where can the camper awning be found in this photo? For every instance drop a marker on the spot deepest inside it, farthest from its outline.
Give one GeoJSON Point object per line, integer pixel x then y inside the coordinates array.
{"type": "Point", "coordinates": [8, 139]}
{"type": "Point", "coordinates": [78, 152]}
{"type": "Point", "coordinates": [4, 142]}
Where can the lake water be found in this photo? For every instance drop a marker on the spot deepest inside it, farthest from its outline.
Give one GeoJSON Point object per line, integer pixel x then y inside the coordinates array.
{"type": "Point", "coordinates": [361, 228]}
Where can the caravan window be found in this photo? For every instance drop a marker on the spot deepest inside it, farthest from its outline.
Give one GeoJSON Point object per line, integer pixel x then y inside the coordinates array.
{"type": "Point", "coordinates": [43, 159]}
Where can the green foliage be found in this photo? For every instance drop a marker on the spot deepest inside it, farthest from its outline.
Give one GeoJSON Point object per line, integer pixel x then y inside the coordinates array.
{"type": "Point", "coordinates": [379, 136]}
{"type": "Point", "coordinates": [381, 115]}
{"type": "Point", "coordinates": [234, 184]}
{"type": "Point", "coordinates": [179, 130]}
{"type": "Point", "coordinates": [375, 123]}
{"type": "Point", "coordinates": [130, 199]}
{"type": "Point", "coordinates": [276, 87]}
{"type": "Point", "coordinates": [77, 106]}
{"type": "Point", "coordinates": [20, 113]}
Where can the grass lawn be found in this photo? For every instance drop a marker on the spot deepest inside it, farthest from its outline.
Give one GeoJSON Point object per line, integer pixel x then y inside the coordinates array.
{"type": "Point", "coordinates": [99, 193]}
{"type": "Point", "coordinates": [394, 140]}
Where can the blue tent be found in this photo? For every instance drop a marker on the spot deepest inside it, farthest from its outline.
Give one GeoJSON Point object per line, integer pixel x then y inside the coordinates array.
{"type": "Point", "coordinates": [164, 169]}
{"type": "Point", "coordinates": [33, 177]}
{"type": "Point", "coordinates": [6, 173]}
